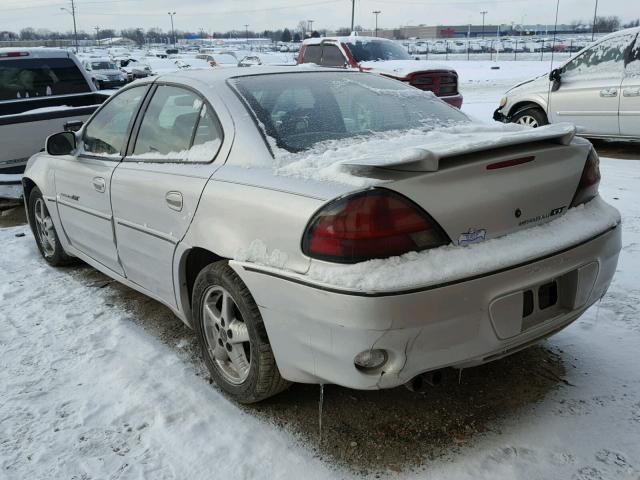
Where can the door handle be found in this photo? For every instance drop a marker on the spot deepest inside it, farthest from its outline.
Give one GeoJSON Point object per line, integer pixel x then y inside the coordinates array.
{"type": "Point", "coordinates": [174, 200]}
{"type": "Point", "coordinates": [609, 92]}
{"type": "Point", "coordinates": [631, 92]}
{"type": "Point", "coordinates": [99, 184]}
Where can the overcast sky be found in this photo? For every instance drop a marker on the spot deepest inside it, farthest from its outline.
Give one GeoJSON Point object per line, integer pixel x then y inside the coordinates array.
{"type": "Point", "coordinates": [222, 15]}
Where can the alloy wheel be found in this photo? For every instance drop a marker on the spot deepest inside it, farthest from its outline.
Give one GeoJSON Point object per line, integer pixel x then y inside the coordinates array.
{"type": "Point", "coordinates": [227, 335]}
{"type": "Point", "coordinates": [44, 228]}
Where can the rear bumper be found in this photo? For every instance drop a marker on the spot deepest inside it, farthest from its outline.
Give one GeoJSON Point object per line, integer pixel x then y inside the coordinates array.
{"type": "Point", "coordinates": [454, 100]}
{"type": "Point", "coordinates": [11, 186]}
{"type": "Point", "coordinates": [316, 332]}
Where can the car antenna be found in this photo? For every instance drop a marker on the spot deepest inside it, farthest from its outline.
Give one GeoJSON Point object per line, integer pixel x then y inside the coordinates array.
{"type": "Point", "coordinates": [553, 49]}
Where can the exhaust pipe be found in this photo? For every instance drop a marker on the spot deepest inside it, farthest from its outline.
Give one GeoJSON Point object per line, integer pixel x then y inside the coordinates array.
{"type": "Point", "coordinates": [424, 381]}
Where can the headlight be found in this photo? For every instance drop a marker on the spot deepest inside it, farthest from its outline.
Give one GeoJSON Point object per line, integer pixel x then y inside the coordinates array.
{"type": "Point", "coordinates": [100, 77]}
{"type": "Point", "coordinates": [503, 102]}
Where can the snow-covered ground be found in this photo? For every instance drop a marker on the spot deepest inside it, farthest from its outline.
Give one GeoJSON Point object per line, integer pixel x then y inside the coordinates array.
{"type": "Point", "coordinates": [88, 391]}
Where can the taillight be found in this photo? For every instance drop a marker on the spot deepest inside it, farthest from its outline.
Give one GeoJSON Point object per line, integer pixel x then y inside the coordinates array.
{"type": "Point", "coordinates": [589, 181]}
{"type": "Point", "coordinates": [376, 223]}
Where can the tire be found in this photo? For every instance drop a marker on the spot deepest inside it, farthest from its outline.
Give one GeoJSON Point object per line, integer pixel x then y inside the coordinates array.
{"type": "Point", "coordinates": [44, 231]}
{"type": "Point", "coordinates": [530, 117]}
{"type": "Point", "coordinates": [222, 341]}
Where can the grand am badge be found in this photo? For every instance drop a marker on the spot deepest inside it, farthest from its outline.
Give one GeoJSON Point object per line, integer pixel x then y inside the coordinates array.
{"type": "Point", "coordinates": [472, 236]}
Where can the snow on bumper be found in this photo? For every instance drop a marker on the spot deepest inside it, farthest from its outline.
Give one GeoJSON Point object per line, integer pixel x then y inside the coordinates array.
{"type": "Point", "coordinates": [317, 329]}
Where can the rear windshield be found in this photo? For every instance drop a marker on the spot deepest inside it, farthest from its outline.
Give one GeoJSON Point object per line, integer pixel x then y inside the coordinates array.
{"type": "Point", "coordinates": [373, 50]}
{"type": "Point", "coordinates": [40, 77]}
{"type": "Point", "coordinates": [299, 110]}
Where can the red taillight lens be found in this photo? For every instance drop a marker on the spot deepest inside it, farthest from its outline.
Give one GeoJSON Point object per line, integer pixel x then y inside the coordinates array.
{"type": "Point", "coordinates": [589, 181]}
{"type": "Point", "coordinates": [376, 223]}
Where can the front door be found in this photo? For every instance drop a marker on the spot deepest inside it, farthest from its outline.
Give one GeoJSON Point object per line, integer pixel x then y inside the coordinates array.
{"type": "Point", "coordinates": [589, 94]}
{"type": "Point", "coordinates": [156, 189]}
{"type": "Point", "coordinates": [83, 180]}
{"type": "Point", "coordinates": [630, 100]}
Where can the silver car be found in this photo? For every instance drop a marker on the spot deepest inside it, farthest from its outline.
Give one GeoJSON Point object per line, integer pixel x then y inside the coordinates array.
{"type": "Point", "coordinates": [598, 90]}
{"type": "Point", "coordinates": [328, 226]}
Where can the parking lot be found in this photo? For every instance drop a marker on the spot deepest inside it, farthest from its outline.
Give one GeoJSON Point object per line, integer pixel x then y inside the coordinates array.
{"type": "Point", "coordinates": [113, 384]}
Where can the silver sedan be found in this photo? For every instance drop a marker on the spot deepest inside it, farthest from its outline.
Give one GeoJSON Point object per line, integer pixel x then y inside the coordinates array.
{"type": "Point", "coordinates": [324, 226]}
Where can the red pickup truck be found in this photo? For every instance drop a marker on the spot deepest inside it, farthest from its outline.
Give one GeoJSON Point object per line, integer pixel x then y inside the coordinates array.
{"type": "Point", "coordinates": [385, 57]}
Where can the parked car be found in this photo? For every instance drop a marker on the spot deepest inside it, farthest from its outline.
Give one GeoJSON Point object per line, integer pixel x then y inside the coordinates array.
{"type": "Point", "coordinates": [598, 90]}
{"type": "Point", "coordinates": [385, 57]}
{"type": "Point", "coordinates": [42, 91]}
{"type": "Point", "coordinates": [135, 69]}
{"type": "Point", "coordinates": [313, 228]}
{"type": "Point", "coordinates": [104, 73]}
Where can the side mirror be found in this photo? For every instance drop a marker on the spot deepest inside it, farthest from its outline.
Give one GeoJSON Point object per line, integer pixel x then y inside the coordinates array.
{"type": "Point", "coordinates": [63, 143]}
{"type": "Point", "coordinates": [556, 77]}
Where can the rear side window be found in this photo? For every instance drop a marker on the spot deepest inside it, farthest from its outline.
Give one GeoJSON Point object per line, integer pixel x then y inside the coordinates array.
{"type": "Point", "coordinates": [312, 54]}
{"type": "Point", "coordinates": [178, 126]}
{"type": "Point", "coordinates": [332, 56]}
{"type": "Point", "coordinates": [107, 132]}
{"type": "Point", "coordinates": [40, 77]}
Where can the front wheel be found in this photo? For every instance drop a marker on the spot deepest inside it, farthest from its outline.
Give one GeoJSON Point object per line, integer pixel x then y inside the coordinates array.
{"type": "Point", "coordinates": [530, 117]}
{"type": "Point", "coordinates": [232, 336]}
{"type": "Point", "coordinates": [44, 231]}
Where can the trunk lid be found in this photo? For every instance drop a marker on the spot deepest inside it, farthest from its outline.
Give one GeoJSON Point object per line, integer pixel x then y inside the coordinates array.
{"type": "Point", "coordinates": [485, 188]}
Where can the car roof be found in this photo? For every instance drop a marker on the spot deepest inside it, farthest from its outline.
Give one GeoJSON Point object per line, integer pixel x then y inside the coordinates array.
{"type": "Point", "coordinates": [35, 52]}
{"type": "Point", "coordinates": [210, 75]}
{"type": "Point", "coordinates": [354, 38]}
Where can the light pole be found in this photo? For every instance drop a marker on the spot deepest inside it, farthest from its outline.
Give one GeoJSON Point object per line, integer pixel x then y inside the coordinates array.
{"type": "Point", "coordinates": [310, 25]}
{"type": "Point", "coordinates": [376, 13]}
{"type": "Point", "coordinates": [483, 13]}
{"type": "Point", "coordinates": [73, 14]}
{"type": "Point", "coordinates": [595, 18]}
{"type": "Point", "coordinates": [173, 32]}
{"type": "Point", "coordinates": [97, 35]}
{"type": "Point", "coordinates": [353, 12]}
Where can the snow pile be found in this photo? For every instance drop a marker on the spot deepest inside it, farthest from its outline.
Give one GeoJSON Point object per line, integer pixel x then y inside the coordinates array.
{"type": "Point", "coordinates": [327, 161]}
{"type": "Point", "coordinates": [453, 263]}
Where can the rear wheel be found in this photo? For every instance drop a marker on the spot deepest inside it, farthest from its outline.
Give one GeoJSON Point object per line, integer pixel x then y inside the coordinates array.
{"type": "Point", "coordinates": [530, 117]}
{"type": "Point", "coordinates": [44, 231]}
{"type": "Point", "coordinates": [232, 336]}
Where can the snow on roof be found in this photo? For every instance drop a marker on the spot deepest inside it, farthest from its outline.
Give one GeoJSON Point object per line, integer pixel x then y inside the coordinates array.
{"type": "Point", "coordinates": [316, 41]}
{"type": "Point", "coordinates": [38, 52]}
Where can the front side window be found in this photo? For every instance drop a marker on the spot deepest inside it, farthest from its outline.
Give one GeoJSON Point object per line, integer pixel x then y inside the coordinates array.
{"type": "Point", "coordinates": [30, 77]}
{"type": "Point", "coordinates": [178, 126]}
{"type": "Point", "coordinates": [300, 110]}
{"type": "Point", "coordinates": [103, 66]}
{"type": "Point", "coordinates": [107, 132]}
{"type": "Point", "coordinates": [605, 59]}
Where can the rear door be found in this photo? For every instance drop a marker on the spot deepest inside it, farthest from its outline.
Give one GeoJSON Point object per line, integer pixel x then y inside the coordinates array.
{"type": "Point", "coordinates": [83, 181]}
{"type": "Point", "coordinates": [589, 95]}
{"type": "Point", "coordinates": [156, 189]}
{"type": "Point", "coordinates": [630, 100]}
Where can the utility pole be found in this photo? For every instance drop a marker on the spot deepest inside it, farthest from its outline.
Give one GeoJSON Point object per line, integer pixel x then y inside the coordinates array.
{"type": "Point", "coordinates": [97, 28]}
{"type": "Point", "coordinates": [73, 14]}
{"type": "Point", "coordinates": [173, 32]}
{"type": "Point", "coordinates": [483, 13]}
{"type": "Point", "coordinates": [353, 12]}
{"type": "Point", "coordinates": [376, 13]}
{"type": "Point", "coordinates": [595, 18]}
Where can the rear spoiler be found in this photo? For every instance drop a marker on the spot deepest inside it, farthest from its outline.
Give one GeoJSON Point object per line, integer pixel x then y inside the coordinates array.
{"type": "Point", "coordinates": [427, 158]}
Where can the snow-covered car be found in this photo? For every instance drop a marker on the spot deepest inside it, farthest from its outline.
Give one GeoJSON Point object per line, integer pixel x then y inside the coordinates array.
{"type": "Point", "coordinates": [135, 69]}
{"type": "Point", "coordinates": [328, 226]}
{"type": "Point", "coordinates": [384, 57]}
{"type": "Point", "coordinates": [598, 90]}
{"type": "Point", "coordinates": [104, 73]}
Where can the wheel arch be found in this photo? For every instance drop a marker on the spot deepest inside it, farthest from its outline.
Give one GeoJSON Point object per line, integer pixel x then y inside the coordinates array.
{"type": "Point", "coordinates": [523, 105]}
{"type": "Point", "coordinates": [191, 264]}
